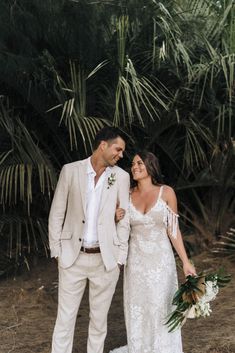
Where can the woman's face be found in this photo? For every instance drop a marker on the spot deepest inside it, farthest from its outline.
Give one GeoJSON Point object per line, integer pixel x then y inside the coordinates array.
{"type": "Point", "coordinates": [138, 169]}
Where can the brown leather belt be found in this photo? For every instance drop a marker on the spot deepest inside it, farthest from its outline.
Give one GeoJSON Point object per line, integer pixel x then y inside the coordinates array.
{"type": "Point", "coordinates": [90, 250]}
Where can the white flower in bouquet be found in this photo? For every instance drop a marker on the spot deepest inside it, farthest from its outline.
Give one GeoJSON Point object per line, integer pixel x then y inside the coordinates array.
{"type": "Point", "coordinates": [190, 313]}
{"type": "Point", "coordinates": [202, 307]}
{"type": "Point", "coordinates": [212, 290]}
{"type": "Point", "coordinates": [197, 310]}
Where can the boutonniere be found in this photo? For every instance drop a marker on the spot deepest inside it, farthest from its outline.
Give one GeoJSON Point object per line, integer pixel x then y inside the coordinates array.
{"type": "Point", "coordinates": [111, 180]}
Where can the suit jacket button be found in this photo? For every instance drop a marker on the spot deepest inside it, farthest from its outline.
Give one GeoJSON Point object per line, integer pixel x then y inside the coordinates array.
{"type": "Point", "coordinates": [80, 239]}
{"type": "Point", "coordinates": [83, 221]}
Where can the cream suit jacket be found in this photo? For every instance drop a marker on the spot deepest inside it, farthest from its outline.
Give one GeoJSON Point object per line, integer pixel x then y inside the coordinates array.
{"type": "Point", "coordinates": [68, 216]}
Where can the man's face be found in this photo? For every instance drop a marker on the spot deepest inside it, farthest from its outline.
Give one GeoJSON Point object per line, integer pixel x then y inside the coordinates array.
{"type": "Point", "coordinates": [112, 151]}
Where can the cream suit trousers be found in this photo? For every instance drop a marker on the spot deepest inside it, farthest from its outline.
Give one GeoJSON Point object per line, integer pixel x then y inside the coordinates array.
{"type": "Point", "coordinates": [72, 283]}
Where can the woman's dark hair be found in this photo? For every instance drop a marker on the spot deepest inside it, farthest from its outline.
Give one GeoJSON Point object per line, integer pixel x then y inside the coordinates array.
{"type": "Point", "coordinates": [107, 133]}
{"type": "Point", "coordinates": [152, 166]}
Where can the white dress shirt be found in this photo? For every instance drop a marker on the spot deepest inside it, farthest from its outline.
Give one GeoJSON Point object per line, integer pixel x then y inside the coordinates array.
{"type": "Point", "coordinates": [93, 198]}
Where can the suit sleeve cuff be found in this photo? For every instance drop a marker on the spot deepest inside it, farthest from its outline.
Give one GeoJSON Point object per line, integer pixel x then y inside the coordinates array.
{"type": "Point", "coordinates": [55, 252]}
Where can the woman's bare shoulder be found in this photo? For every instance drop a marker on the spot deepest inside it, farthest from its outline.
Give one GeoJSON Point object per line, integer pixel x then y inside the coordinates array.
{"type": "Point", "coordinates": [168, 189]}
{"type": "Point", "coordinates": [168, 193]}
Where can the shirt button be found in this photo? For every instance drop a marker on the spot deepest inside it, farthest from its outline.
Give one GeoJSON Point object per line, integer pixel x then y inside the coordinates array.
{"type": "Point", "coordinates": [83, 221]}
{"type": "Point", "coordinates": [80, 239]}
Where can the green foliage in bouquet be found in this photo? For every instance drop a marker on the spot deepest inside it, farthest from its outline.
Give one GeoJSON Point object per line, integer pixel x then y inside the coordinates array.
{"type": "Point", "coordinates": [193, 297]}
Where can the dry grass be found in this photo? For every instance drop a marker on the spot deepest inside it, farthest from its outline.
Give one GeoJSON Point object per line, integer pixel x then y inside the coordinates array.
{"type": "Point", "coordinates": [28, 309]}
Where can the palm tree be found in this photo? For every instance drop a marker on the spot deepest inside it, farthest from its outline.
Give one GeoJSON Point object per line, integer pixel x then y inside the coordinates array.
{"type": "Point", "coordinates": [161, 71]}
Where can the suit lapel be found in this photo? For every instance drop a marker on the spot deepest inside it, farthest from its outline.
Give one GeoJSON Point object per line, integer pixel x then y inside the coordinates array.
{"type": "Point", "coordinates": [83, 179]}
{"type": "Point", "coordinates": [106, 189]}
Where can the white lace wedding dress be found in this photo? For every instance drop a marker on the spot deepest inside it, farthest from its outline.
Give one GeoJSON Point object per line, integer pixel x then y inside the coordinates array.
{"type": "Point", "coordinates": [150, 282]}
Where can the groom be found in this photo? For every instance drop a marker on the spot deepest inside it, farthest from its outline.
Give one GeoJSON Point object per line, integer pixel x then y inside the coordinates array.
{"type": "Point", "coordinates": [86, 241]}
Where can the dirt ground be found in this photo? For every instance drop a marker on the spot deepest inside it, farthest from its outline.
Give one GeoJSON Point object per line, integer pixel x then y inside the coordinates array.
{"type": "Point", "coordinates": [28, 306]}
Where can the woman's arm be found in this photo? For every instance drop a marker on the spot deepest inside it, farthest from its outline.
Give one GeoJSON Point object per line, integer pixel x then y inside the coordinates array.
{"type": "Point", "coordinates": [177, 242]}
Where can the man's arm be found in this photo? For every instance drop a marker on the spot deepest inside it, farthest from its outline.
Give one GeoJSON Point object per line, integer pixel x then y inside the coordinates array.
{"type": "Point", "coordinates": [57, 213]}
{"type": "Point", "coordinates": [123, 226]}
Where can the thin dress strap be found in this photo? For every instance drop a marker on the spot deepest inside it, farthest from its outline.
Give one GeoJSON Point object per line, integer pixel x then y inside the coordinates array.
{"type": "Point", "coordinates": [160, 192]}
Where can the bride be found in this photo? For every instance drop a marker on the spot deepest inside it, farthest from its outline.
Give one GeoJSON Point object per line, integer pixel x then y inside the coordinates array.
{"type": "Point", "coordinates": [150, 279]}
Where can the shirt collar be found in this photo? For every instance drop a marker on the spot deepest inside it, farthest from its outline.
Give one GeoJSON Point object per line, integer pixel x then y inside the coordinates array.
{"type": "Point", "coordinates": [90, 169]}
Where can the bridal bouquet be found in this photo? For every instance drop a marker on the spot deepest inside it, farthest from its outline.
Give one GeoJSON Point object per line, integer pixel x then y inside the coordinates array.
{"type": "Point", "coordinates": [192, 299]}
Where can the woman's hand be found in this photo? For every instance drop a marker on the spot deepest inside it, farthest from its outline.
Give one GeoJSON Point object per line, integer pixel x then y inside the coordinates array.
{"type": "Point", "coordinates": [189, 269]}
{"type": "Point", "coordinates": [119, 214]}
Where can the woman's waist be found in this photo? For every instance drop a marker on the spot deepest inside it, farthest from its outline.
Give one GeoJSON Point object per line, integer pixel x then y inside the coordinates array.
{"type": "Point", "coordinates": [148, 233]}
{"type": "Point", "coordinates": [156, 242]}
{"type": "Point", "coordinates": [147, 227]}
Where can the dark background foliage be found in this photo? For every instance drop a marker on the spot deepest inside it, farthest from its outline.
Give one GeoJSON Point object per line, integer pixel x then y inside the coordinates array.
{"type": "Point", "coordinates": [161, 71]}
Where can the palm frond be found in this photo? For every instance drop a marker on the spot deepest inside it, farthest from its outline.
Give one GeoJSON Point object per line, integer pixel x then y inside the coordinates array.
{"type": "Point", "coordinates": [22, 235]}
{"type": "Point", "coordinates": [74, 109]}
{"type": "Point", "coordinates": [138, 99]}
{"type": "Point", "coordinates": [226, 245]}
{"type": "Point", "coordinates": [20, 162]}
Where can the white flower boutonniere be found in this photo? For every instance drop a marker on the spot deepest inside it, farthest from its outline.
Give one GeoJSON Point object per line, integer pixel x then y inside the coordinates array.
{"type": "Point", "coordinates": [111, 180]}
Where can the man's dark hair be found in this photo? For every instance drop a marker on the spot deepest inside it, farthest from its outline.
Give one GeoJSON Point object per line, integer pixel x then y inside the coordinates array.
{"type": "Point", "coordinates": [107, 133]}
